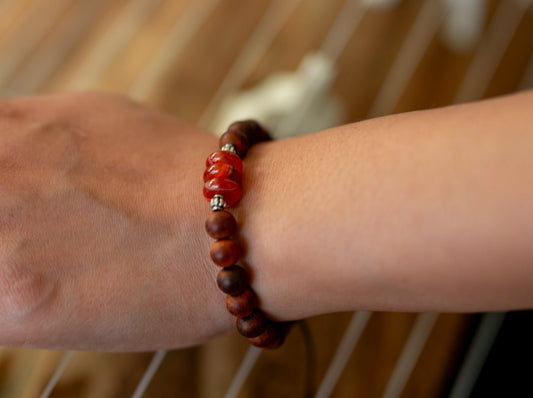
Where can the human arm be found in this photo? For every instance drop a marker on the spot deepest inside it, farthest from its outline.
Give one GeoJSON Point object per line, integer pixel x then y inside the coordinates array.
{"type": "Point", "coordinates": [423, 211]}
{"type": "Point", "coordinates": [101, 220]}
{"type": "Point", "coordinates": [101, 240]}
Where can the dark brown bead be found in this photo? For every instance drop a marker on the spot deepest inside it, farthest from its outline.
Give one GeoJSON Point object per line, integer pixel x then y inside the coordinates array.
{"type": "Point", "coordinates": [232, 280]}
{"type": "Point", "coordinates": [272, 337]}
{"type": "Point", "coordinates": [225, 252]}
{"type": "Point", "coordinates": [257, 132]}
{"type": "Point", "coordinates": [253, 131]}
{"type": "Point", "coordinates": [252, 325]}
{"type": "Point", "coordinates": [220, 224]}
{"type": "Point", "coordinates": [236, 138]}
{"type": "Point", "coordinates": [243, 304]}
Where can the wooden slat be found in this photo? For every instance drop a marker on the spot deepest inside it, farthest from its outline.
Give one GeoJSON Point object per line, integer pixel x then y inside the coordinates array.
{"type": "Point", "coordinates": [37, 54]}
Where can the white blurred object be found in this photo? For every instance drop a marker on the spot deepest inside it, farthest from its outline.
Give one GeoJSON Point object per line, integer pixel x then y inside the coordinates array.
{"type": "Point", "coordinates": [525, 3]}
{"type": "Point", "coordinates": [464, 23]}
{"type": "Point", "coordinates": [380, 3]}
{"type": "Point", "coordinates": [288, 103]}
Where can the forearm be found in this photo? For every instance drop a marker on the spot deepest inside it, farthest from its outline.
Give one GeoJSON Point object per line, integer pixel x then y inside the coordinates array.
{"type": "Point", "coordinates": [429, 210]}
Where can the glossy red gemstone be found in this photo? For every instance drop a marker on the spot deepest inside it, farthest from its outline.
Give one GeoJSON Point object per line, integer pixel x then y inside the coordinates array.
{"type": "Point", "coordinates": [222, 170]}
{"type": "Point", "coordinates": [224, 157]}
{"type": "Point", "coordinates": [229, 189]}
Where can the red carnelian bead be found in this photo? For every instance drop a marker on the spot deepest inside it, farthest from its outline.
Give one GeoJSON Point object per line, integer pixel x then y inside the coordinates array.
{"type": "Point", "coordinates": [225, 252]}
{"type": "Point", "coordinates": [252, 325]}
{"type": "Point", "coordinates": [238, 139]}
{"type": "Point", "coordinates": [229, 189]}
{"type": "Point", "coordinates": [222, 170]}
{"type": "Point", "coordinates": [232, 280]}
{"type": "Point", "coordinates": [272, 337]}
{"type": "Point", "coordinates": [220, 224]}
{"type": "Point", "coordinates": [224, 157]}
{"type": "Point", "coordinates": [243, 304]}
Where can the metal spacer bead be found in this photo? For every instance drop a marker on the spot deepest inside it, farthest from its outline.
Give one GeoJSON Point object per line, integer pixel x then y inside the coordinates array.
{"type": "Point", "coordinates": [228, 148]}
{"type": "Point", "coordinates": [217, 203]}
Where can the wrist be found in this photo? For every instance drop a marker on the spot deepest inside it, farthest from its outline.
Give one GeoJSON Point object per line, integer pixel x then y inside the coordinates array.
{"type": "Point", "coordinates": [272, 238]}
{"type": "Point", "coordinates": [223, 188]}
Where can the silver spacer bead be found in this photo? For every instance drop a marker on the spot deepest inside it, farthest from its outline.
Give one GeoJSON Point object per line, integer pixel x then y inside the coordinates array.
{"type": "Point", "coordinates": [217, 203]}
{"type": "Point", "coordinates": [228, 148]}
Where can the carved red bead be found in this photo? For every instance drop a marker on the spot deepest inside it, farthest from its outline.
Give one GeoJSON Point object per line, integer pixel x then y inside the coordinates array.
{"type": "Point", "coordinates": [222, 170]}
{"type": "Point", "coordinates": [224, 157]}
{"type": "Point", "coordinates": [229, 189]}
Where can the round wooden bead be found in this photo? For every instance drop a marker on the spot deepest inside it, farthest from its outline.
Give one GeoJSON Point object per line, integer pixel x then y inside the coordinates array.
{"type": "Point", "coordinates": [272, 337]}
{"type": "Point", "coordinates": [232, 280]}
{"type": "Point", "coordinates": [253, 131]}
{"type": "Point", "coordinates": [229, 189]}
{"type": "Point", "coordinates": [220, 224]}
{"type": "Point", "coordinates": [258, 133]}
{"type": "Point", "coordinates": [225, 252]}
{"type": "Point", "coordinates": [243, 304]}
{"type": "Point", "coordinates": [222, 170]}
{"type": "Point", "coordinates": [252, 325]}
{"type": "Point", "coordinates": [238, 139]}
{"type": "Point", "coordinates": [224, 157]}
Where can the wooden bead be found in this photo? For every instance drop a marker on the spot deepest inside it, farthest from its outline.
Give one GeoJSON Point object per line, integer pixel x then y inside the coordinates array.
{"type": "Point", "coordinates": [222, 170]}
{"type": "Point", "coordinates": [223, 176]}
{"type": "Point", "coordinates": [232, 280]}
{"type": "Point", "coordinates": [258, 133]}
{"type": "Point", "coordinates": [243, 304]}
{"type": "Point", "coordinates": [225, 252]}
{"type": "Point", "coordinates": [229, 189]}
{"type": "Point", "coordinates": [220, 224]}
{"type": "Point", "coordinates": [253, 131]}
{"type": "Point", "coordinates": [224, 157]}
{"type": "Point", "coordinates": [272, 337]}
{"type": "Point", "coordinates": [252, 325]}
{"type": "Point", "coordinates": [238, 139]}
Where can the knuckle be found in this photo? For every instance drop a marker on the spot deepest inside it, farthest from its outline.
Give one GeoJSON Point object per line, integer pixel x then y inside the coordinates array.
{"type": "Point", "coordinates": [23, 292]}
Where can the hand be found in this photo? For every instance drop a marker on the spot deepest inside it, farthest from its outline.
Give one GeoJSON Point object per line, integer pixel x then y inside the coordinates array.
{"type": "Point", "coordinates": [102, 244]}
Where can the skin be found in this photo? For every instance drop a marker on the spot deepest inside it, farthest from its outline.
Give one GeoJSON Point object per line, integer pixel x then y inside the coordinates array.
{"type": "Point", "coordinates": [101, 239]}
{"type": "Point", "coordinates": [423, 211]}
{"type": "Point", "coordinates": [102, 244]}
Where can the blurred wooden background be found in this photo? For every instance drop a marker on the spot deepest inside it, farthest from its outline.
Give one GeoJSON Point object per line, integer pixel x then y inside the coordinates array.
{"type": "Point", "coordinates": [174, 54]}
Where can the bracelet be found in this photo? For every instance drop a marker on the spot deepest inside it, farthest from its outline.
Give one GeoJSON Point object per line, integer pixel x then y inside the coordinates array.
{"type": "Point", "coordinates": [222, 188]}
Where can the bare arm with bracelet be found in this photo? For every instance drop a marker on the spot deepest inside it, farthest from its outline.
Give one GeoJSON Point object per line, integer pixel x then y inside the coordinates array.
{"type": "Point", "coordinates": [102, 243]}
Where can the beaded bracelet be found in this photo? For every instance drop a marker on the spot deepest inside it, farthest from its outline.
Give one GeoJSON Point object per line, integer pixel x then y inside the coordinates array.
{"type": "Point", "coordinates": [222, 188]}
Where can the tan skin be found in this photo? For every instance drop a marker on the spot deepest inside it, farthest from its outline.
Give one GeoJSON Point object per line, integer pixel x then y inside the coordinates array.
{"type": "Point", "coordinates": [101, 220]}
{"type": "Point", "coordinates": [100, 216]}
